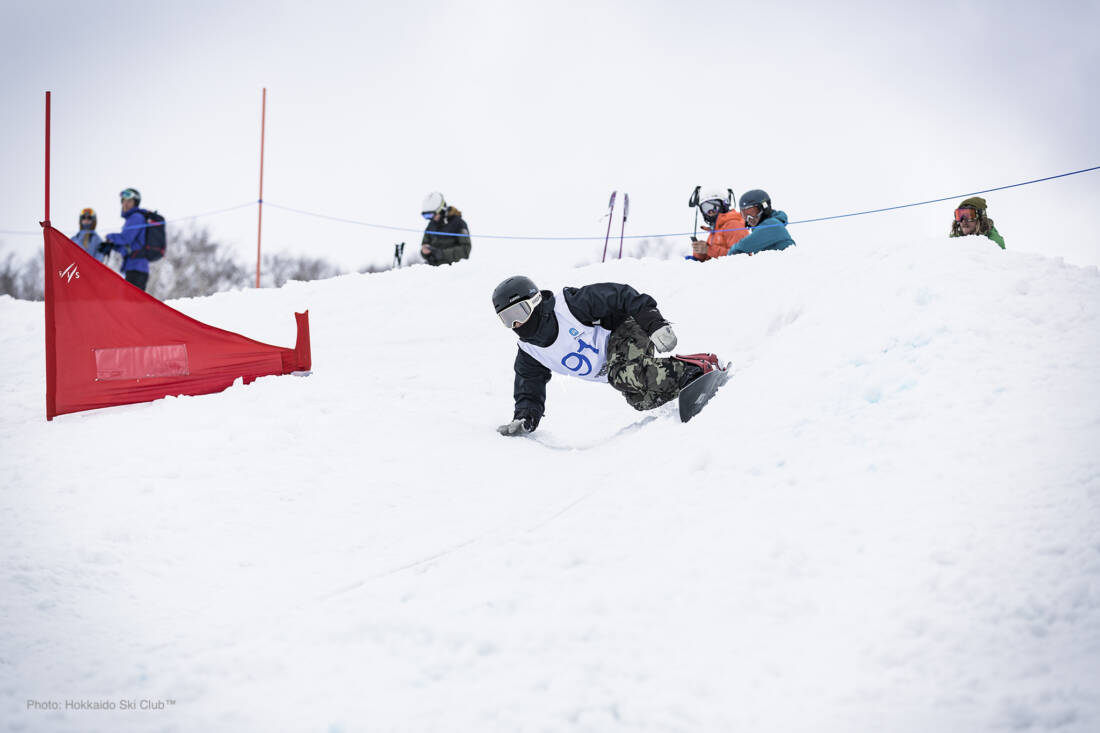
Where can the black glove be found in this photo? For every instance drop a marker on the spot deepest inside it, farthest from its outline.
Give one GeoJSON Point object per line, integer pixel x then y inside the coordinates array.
{"type": "Point", "coordinates": [104, 247]}
{"type": "Point", "coordinates": [519, 426]}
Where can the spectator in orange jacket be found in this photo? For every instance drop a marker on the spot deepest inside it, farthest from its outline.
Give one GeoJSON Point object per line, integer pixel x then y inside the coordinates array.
{"type": "Point", "coordinates": [725, 224]}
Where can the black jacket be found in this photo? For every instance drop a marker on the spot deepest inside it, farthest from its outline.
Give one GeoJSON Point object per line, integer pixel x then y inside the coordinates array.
{"type": "Point", "coordinates": [447, 249]}
{"type": "Point", "coordinates": [603, 304]}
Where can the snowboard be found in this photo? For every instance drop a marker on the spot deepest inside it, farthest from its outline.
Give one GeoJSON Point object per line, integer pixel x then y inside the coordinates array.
{"type": "Point", "coordinates": [697, 393]}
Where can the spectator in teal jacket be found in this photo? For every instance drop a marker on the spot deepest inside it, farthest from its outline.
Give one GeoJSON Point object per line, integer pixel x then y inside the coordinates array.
{"type": "Point", "coordinates": [769, 227]}
{"type": "Point", "coordinates": [970, 219]}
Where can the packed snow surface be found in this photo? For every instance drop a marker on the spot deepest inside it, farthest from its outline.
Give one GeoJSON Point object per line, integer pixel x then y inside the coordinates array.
{"type": "Point", "coordinates": [888, 520]}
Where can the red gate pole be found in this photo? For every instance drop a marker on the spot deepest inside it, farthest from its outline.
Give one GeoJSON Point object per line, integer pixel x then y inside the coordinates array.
{"type": "Point", "coordinates": [260, 219]}
{"type": "Point", "coordinates": [46, 223]}
{"type": "Point", "coordinates": [47, 289]}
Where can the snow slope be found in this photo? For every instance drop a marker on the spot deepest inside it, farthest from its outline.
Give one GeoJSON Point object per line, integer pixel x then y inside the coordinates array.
{"type": "Point", "coordinates": [888, 520]}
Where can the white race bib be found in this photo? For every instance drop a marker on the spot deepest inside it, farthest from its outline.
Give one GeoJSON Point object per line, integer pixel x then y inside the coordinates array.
{"type": "Point", "coordinates": [579, 350]}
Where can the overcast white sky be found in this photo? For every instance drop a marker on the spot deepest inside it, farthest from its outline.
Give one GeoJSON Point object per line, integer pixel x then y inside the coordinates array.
{"type": "Point", "coordinates": [527, 114]}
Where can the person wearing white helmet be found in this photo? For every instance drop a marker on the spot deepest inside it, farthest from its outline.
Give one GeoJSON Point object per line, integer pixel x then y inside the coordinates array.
{"type": "Point", "coordinates": [446, 238]}
{"type": "Point", "coordinates": [722, 220]}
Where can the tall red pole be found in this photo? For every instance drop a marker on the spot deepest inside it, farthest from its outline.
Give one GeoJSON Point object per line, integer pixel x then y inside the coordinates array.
{"type": "Point", "coordinates": [47, 289]}
{"type": "Point", "coordinates": [47, 218]}
{"type": "Point", "coordinates": [260, 219]}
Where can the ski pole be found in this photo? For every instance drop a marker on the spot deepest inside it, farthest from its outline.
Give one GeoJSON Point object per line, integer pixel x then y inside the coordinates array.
{"type": "Point", "coordinates": [610, 209]}
{"type": "Point", "coordinates": [693, 202]}
{"type": "Point", "coordinates": [626, 210]}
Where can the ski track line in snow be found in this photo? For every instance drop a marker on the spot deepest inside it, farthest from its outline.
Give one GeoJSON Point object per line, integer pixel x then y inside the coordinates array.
{"type": "Point", "coordinates": [394, 571]}
{"type": "Point", "coordinates": [633, 427]}
{"type": "Point", "coordinates": [351, 587]}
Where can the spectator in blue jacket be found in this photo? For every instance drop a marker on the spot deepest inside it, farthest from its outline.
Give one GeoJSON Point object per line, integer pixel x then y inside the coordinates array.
{"type": "Point", "coordinates": [131, 240]}
{"type": "Point", "coordinates": [769, 227]}
{"type": "Point", "coordinates": [88, 237]}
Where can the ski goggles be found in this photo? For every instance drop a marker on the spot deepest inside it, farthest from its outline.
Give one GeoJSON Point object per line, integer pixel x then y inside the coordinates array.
{"type": "Point", "coordinates": [129, 193]}
{"type": "Point", "coordinates": [966, 214]}
{"type": "Point", "coordinates": [711, 207]}
{"type": "Point", "coordinates": [427, 214]}
{"type": "Point", "coordinates": [519, 313]}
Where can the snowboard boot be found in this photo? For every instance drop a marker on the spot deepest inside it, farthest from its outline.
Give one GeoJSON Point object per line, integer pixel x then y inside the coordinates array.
{"type": "Point", "coordinates": [696, 365]}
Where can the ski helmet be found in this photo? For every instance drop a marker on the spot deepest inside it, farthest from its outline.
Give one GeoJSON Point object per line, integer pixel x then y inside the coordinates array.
{"type": "Point", "coordinates": [515, 300]}
{"type": "Point", "coordinates": [755, 197]}
{"type": "Point", "coordinates": [131, 193]}
{"type": "Point", "coordinates": [86, 214]}
{"type": "Point", "coordinates": [714, 201]}
{"type": "Point", "coordinates": [433, 204]}
{"type": "Point", "coordinates": [758, 198]}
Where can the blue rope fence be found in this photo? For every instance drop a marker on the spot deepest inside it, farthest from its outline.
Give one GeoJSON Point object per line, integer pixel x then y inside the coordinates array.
{"type": "Point", "coordinates": [680, 234]}
{"type": "Point", "coordinates": [520, 237]}
{"type": "Point", "coordinates": [945, 198]}
{"type": "Point", "coordinates": [166, 221]}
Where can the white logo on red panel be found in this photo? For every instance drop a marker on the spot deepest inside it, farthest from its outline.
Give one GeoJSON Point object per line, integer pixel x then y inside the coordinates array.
{"type": "Point", "coordinates": [69, 273]}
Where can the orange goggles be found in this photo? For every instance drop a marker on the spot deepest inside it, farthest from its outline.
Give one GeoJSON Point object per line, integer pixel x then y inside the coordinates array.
{"type": "Point", "coordinates": [966, 214]}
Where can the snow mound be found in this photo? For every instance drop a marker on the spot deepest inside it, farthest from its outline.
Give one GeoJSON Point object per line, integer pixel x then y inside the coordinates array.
{"type": "Point", "coordinates": [888, 519]}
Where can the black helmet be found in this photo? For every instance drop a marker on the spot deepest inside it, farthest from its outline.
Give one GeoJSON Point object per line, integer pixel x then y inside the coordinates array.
{"type": "Point", "coordinates": [515, 300]}
{"type": "Point", "coordinates": [755, 197]}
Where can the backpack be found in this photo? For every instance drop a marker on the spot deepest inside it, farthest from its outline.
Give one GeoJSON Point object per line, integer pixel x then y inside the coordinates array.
{"type": "Point", "coordinates": [155, 239]}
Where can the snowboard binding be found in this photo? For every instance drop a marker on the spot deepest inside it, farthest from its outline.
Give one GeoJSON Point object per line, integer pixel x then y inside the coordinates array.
{"type": "Point", "coordinates": [697, 366]}
{"type": "Point", "coordinates": [703, 375]}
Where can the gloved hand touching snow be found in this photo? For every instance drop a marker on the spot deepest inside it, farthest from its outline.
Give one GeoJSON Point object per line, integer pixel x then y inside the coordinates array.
{"type": "Point", "coordinates": [519, 426]}
{"type": "Point", "coordinates": [664, 339]}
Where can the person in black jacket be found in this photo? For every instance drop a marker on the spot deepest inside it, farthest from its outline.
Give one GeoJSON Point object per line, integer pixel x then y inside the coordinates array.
{"type": "Point", "coordinates": [446, 238]}
{"type": "Point", "coordinates": [608, 332]}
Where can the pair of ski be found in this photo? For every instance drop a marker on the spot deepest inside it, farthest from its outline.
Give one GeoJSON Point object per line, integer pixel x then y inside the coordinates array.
{"type": "Point", "coordinates": [610, 211]}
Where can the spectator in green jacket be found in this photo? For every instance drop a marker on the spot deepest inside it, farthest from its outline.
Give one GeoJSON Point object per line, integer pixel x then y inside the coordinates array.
{"type": "Point", "coordinates": [970, 219]}
{"type": "Point", "coordinates": [446, 238]}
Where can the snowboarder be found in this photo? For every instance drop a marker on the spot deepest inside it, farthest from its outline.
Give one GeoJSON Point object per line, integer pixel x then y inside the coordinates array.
{"type": "Point", "coordinates": [726, 225]}
{"type": "Point", "coordinates": [769, 227]}
{"type": "Point", "coordinates": [88, 237]}
{"type": "Point", "coordinates": [446, 238]}
{"type": "Point", "coordinates": [606, 332]}
{"type": "Point", "coordinates": [131, 240]}
{"type": "Point", "coordinates": [970, 219]}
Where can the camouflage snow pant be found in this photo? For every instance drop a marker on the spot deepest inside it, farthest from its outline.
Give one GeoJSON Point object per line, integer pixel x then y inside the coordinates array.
{"type": "Point", "coordinates": [646, 380]}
